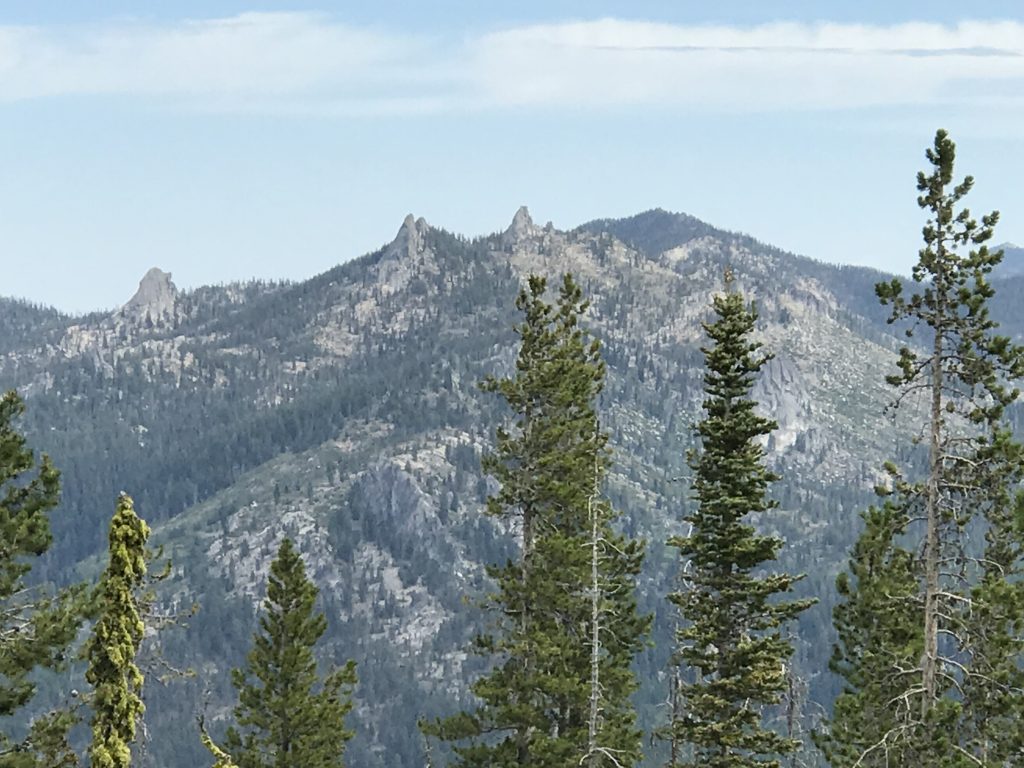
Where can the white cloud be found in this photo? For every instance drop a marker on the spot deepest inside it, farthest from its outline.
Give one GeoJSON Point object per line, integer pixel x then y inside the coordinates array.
{"type": "Point", "coordinates": [775, 66]}
{"type": "Point", "coordinates": [254, 55]}
{"type": "Point", "coordinates": [308, 63]}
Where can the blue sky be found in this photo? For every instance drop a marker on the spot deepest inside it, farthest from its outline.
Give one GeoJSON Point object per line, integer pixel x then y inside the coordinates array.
{"type": "Point", "coordinates": [228, 140]}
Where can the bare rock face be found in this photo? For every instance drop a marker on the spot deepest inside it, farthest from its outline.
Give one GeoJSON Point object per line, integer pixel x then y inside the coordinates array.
{"type": "Point", "coordinates": [409, 240]}
{"type": "Point", "coordinates": [406, 256]}
{"type": "Point", "coordinates": [393, 499]}
{"type": "Point", "coordinates": [521, 228]}
{"type": "Point", "coordinates": [154, 299]}
{"type": "Point", "coordinates": [783, 395]}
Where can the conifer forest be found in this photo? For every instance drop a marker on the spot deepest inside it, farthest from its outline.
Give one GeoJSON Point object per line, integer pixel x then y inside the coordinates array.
{"type": "Point", "coordinates": [642, 493]}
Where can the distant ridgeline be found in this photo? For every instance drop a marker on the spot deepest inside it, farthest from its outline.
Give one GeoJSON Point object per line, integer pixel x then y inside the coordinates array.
{"type": "Point", "coordinates": [343, 412]}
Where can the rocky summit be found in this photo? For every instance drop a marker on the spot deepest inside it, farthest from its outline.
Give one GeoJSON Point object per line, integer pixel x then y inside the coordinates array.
{"type": "Point", "coordinates": [154, 299]}
{"type": "Point", "coordinates": [522, 228]}
{"type": "Point", "coordinates": [343, 411]}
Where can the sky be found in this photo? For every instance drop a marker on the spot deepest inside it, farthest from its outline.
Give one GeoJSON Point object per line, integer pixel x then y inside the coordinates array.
{"type": "Point", "coordinates": [224, 140]}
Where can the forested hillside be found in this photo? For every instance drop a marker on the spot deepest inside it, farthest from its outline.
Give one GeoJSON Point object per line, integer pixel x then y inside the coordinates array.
{"type": "Point", "coordinates": [344, 413]}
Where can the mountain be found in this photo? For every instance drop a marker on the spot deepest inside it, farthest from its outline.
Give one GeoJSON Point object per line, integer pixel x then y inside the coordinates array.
{"type": "Point", "coordinates": [343, 411]}
{"type": "Point", "coordinates": [1012, 264]}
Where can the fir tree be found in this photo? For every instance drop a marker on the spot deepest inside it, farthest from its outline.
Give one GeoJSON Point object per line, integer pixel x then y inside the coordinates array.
{"type": "Point", "coordinates": [285, 718]}
{"type": "Point", "coordinates": [37, 628]}
{"type": "Point", "coordinates": [732, 635]}
{"type": "Point", "coordinates": [568, 620]}
{"type": "Point", "coordinates": [115, 641]}
{"type": "Point", "coordinates": [947, 689]}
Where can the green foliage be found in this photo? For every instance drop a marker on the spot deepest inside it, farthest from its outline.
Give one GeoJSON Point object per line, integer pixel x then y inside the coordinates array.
{"type": "Point", "coordinates": [879, 633]}
{"type": "Point", "coordinates": [222, 758]}
{"type": "Point", "coordinates": [225, 409]}
{"type": "Point", "coordinates": [535, 703]}
{"type": "Point", "coordinates": [732, 637]}
{"type": "Point", "coordinates": [115, 641]}
{"type": "Point", "coordinates": [282, 721]}
{"type": "Point", "coordinates": [49, 740]}
{"type": "Point", "coordinates": [37, 627]}
{"type": "Point", "coordinates": [930, 644]}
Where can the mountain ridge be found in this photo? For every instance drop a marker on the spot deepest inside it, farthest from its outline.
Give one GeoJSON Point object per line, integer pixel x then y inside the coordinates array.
{"type": "Point", "coordinates": [651, 218]}
{"type": "Point", "coordinates": [343, 410]}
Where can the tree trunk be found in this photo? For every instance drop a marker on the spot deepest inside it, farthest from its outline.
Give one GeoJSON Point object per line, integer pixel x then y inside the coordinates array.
{"type": "Point", "coordinates": [595, 630]}
{"type": "Point", "coordinates": [522, 736]}
{"type": "Point", "coordinates": [929, 665]}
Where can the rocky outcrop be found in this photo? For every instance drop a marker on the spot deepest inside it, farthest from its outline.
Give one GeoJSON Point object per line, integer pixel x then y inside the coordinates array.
{"type": "Point", "coordinates": [405, 256]}
{"type": "Point", "coordinates": [522, 228]}
{"type": "Point", "coordinates": [782, 394]}
{"type": "Point", "coordinates": [409, 240]}
{"type": "Point", "coordinates": [154, 299]}
{"type": "Point", "coordinates": [392, 498]}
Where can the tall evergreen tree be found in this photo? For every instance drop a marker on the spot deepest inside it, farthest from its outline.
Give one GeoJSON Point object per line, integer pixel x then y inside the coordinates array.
{"type": "Point", "coordinates": [115, 641]}
{"type": "Point", "coordinates": [285, 717]}
{"type": "Point", "coordinates": [947, 689]}
{"type": "Point", "coordinates": [732, 635]}
{"type": "Point", "coordinates": [568, 620]}
{"type": "Point", "coordinates": [37, 627]}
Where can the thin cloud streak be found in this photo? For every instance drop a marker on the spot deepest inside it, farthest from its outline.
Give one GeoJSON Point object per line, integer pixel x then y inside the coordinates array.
{"type": "Point", "coordinates": [765, 68]}
{"type": "Point", "coordinates": [311, 64]}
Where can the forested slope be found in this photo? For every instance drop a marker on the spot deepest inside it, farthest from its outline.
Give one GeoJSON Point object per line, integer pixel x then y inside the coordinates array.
{"type": "Point", "coordinates": [344, 411]}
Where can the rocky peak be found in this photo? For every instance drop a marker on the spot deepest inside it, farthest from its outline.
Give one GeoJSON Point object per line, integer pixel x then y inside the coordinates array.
{"type": "Point", "coordinates": [521, 228]}
{"type": "Point", "coordinates": [406, 256]}
{"type": "Point", "coordinates": [155, 297]}
{"type": "Point", "coordinates": [409, 240]}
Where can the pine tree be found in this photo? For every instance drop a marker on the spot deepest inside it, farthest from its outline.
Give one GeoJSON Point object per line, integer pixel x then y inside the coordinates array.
{"type": "Point", "coordinates": [116, 638]}
{"type": "Point", "coordinates": [732, 635]}
{"type": "Point", "coordinates": [947, 689]}
{"type": "Point", "coordinates": [284, 719]}
{"type": "Point", "coordinates": [568, 620]}
{"type": "Point", "coordinates": [37, 627]}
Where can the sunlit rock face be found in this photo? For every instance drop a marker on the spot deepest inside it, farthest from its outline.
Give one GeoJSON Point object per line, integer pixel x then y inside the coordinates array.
{"type": "Point", "coordinates": [521, 228]}
{"type": "Point", "coordinates": [154, 299]}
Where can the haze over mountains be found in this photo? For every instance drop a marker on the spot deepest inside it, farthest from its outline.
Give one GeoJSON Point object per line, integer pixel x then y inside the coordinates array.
{"type": "Point", "coordinates": [343, 411]}
{"type": "Point", "coordinates": [1013, 261]}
